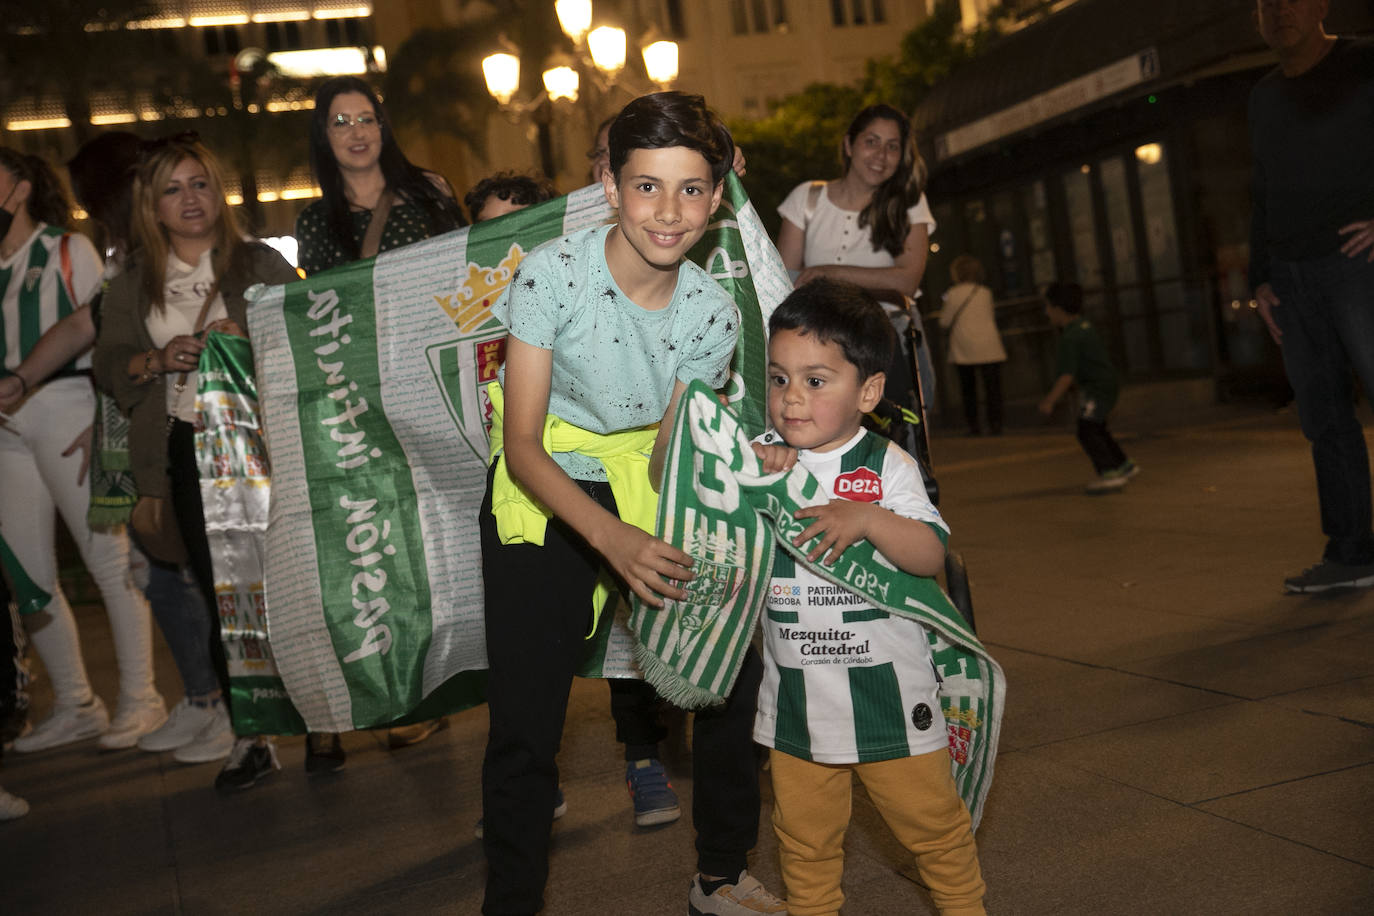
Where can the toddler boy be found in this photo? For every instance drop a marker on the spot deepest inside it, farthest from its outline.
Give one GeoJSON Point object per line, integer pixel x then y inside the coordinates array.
{"type": "Point", "coordinates": [848, 688]}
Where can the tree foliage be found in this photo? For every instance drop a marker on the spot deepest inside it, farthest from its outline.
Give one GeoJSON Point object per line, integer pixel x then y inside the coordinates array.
{"type": "Point", "coordinates": [800, 138]}
{"type": "Point", "coordinates": [436, 84]}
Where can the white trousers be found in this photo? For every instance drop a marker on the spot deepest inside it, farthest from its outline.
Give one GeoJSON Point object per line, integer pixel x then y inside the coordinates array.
{"type": "Point", "coordinates": [35, 480]}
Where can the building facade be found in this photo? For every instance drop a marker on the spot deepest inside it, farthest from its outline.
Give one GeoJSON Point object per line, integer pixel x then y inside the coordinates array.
{"type": "Point", "coordinates": [1107, 144]}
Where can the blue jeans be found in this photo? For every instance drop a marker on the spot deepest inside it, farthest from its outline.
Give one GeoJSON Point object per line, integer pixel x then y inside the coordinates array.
{"type": "Point", "coordinates": [1326, 313]}
{"type": "Point", "coordinates": [179, 609]}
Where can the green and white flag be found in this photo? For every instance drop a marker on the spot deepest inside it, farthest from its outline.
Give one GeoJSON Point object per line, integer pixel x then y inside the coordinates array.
{"type": "Point", "coordinates": [28, 597]}
{"type": "Point", "coordinates": [372, 382]}
{"type": "Point", "coordinates": [235, 486]}
{"type": "Point", "coordinates": [719, 506]}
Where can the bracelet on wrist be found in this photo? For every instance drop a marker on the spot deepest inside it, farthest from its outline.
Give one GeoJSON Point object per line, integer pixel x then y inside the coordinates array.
{"type": "Point", "coordinates": [148, 372]}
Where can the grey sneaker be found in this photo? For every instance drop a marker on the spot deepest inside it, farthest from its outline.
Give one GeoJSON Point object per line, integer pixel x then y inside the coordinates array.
{"type": "Point", "coordinates": [1328, 575]}
{"type": "Point", "coordinates": [248, 763]}
{"type": "Point", "coordinates": [1127, 470]}
{"type": "Point", "coordinates": [1105, 484]}
{"type": "Point", "coordinates": [745, 897]}
{"type": "Point", "coordinates": [12, 806]}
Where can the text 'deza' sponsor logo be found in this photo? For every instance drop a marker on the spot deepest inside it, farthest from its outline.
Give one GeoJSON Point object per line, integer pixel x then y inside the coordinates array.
{"type": "Point", "coordinates": [861, 485]}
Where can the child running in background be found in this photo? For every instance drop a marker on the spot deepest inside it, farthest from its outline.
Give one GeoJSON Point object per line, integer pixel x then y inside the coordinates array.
{"type": "Point", "coordinates": [1083, 361]}
{"type": "Point", "coordinates": [607, 327]}
{"type": "Point", "coordinates": [878, 715]}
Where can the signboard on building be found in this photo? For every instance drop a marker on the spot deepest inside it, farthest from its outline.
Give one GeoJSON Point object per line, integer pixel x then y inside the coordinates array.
{"type": "Point", "coordinates": [1077, 93]}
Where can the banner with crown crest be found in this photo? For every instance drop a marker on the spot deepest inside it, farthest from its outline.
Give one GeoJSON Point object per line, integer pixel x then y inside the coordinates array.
{"type": "Point", "coordinates": [371, 379]}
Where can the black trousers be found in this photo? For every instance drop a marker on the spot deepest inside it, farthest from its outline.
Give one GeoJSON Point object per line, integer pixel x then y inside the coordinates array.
{"type": "Point", "coordinates": [634, 707]}
{"type": "Point", "coordinates": [538, 611]}
{"type": "Point", "coordinates": [190, 515]}
{"type": "Point", "coordinates": [991, 374]}
{"type": "Point", "coordinates": [1102, 449]}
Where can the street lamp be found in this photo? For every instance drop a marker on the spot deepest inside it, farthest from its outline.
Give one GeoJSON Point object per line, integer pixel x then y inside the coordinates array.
{"type": "Point", "coordinates": [607, 46]}
{"type": "Point", "coordinates": [599, 52]}
{"type": "Point", "coordinates": [660, 62]}
{"type": "Point", "coordinates": [574, 17]}
{"type": "Point", "coordinates": [502, 73]}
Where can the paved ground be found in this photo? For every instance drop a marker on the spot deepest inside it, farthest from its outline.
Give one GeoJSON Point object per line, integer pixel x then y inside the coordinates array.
{"type": "Point", "coordinates": [1180, 737]}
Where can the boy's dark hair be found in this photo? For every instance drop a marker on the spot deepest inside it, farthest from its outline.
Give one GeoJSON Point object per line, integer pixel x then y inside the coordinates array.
{"type": "Point", "coordinates": [663, 119]}
{"type": "Point", "coordinates": [1067, 297]}
{"type": "Point", "coordinates": [524, 190]}
{"type": "Point", "coordinates": [841, 313]}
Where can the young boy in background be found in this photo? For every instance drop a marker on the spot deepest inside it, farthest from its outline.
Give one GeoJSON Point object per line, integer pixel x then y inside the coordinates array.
{"type": "Point", "coordinates": [506, 192]}
{"type": "Point", "coordinates": [1083, 361]}
{"type": "Point", "coordinates": [607, 327]}
{"type": "Point", "coordinates": [877, 715]}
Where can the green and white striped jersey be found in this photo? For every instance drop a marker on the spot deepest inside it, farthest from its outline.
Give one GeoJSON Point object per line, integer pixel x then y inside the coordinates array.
{"type": "Point", "coordinates": [844, 682]}
{"type": "Point", "coordinates": [36, 295]}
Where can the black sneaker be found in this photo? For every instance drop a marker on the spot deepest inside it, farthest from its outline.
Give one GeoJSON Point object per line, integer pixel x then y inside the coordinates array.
{"type": "Point", "coordinates": [248, 762]}
{"type": "Point", "coordinates": [1328, 575]}
{"type": "Point", "coordinates": [324, 753]}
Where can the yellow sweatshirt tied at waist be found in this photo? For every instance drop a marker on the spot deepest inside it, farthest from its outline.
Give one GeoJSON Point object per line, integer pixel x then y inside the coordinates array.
{"type": "Point", "coordinates": [521, 518]}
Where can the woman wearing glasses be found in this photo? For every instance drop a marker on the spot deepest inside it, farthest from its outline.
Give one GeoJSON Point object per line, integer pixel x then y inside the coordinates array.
{"type": "Point", "coordinates": [372, 199]}
{"type": "Point", "coordinates": [365, 178]}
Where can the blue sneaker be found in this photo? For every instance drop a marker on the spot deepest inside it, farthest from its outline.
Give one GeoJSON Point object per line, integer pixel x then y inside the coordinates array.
{"type": "Point", "coordinates": [654, 798]}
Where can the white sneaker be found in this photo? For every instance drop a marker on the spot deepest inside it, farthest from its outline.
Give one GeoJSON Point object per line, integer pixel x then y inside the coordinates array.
{"type": "Point", "coordinates": [12, 806]}
{"type": "Point", "coordinates": [66, 725]}
{"type": "Point", "coordinates": [213, 742]}
{"type": "Point", "coordinates": [133, 721]}
{"type": "Point", "coordinates": [746, 897]}
{"type": "Point", "coordinates": [181, 727]}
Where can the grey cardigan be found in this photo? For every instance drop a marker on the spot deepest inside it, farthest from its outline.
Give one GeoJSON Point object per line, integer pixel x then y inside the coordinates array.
{"type": "Point", "coordinates": [124, 334]}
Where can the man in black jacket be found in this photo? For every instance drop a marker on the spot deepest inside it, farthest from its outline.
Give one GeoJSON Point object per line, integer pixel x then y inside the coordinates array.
{"type": "Point", "coordinates": [1312, 259]}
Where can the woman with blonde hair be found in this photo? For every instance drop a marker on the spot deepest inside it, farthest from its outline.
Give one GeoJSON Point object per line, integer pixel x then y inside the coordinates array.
{"type": "Point", "coordinates": [186, 277]}
{"type": "Point", "coordinates": [46, 273]}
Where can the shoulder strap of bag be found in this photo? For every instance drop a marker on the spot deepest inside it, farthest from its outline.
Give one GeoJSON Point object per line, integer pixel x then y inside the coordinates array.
{"type": "Point", "coordinates": [180, 384]}
{"type": "Point", "coordinates": [65, 251]}
{"type": "Point", "coordinates": [372, 240]}
{"type": "Point", "coordinates": [813, 199]}
{"type": "Point", "coordinates": [960, 310]}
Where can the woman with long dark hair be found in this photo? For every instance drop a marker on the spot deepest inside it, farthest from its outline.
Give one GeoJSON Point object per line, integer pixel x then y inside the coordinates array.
{"type": "Point", "coordinates": [364, 177]}
{"type": "Point", "coordinates": [870, 227]}
{"type": "Point", "coordinates": [373, 199]}
{"type": "Point", "coordinates": [47, 272]}
{"type": "Point", "coordinates": [191, 262]}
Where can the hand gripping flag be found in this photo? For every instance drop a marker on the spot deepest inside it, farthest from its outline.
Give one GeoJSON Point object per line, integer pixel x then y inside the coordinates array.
{"type": "Point", "coordinates": [719, 506]}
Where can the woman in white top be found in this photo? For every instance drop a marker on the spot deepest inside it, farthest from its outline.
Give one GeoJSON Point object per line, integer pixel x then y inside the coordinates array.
{"type": "Point", "coordinates": [46, 273]}
{"type": "Point", "coordinates": [975, 345]}
{"type": "Point", "coordinates": [190, 256]}
{"type": "Point", "coordinates": [871, 227]}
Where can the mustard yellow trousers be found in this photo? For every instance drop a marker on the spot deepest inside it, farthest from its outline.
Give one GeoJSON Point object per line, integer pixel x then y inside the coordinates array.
{"type": "Point", "coordinates": [916, 797]}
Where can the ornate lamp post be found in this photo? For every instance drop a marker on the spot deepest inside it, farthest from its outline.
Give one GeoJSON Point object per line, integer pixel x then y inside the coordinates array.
{"type": "Point", "coordinates": [599, 52]}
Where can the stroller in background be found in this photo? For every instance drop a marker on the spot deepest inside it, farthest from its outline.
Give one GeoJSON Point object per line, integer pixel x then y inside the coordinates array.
{"type": "Point", "coordinates": [906, 424]}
